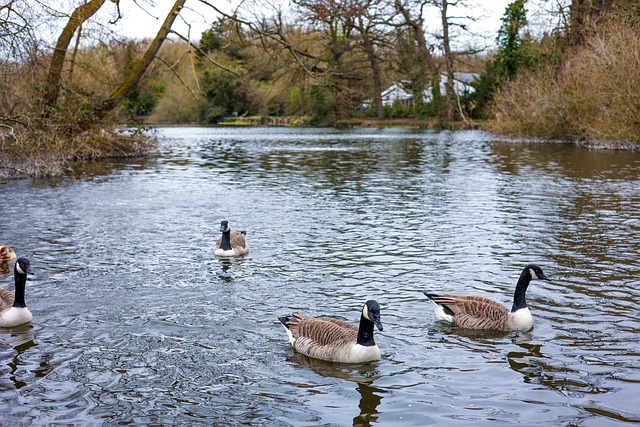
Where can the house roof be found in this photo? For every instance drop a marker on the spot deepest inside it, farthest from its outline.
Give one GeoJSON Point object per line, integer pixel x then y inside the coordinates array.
{"type": "Point", "coordinates": [465, 78]}
{"type": "Point", "coordinates": [395, 92]}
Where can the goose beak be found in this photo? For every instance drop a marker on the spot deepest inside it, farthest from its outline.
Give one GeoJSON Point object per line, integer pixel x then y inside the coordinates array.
{"type": "Point", "coordinates": [222, 227]}
{"type": "Point", "coordinates": [29, 270]}
{"type": "Point", "coordinates": [541, 276]}
{"type": "Point", "coordinates": [378, 323]}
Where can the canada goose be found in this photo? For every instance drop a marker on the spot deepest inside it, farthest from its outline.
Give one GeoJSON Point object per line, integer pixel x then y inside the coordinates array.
{"type": "Point", "coordinates": [482, 313]}
{"type": "Point", "coordinates": [13, 310]}
{"type": "Point", "coordinates": [231, 243]}
{"type": "Point", "coordinates": [6, 253]}
{"type": "Point", "coordinates": [335, 340]}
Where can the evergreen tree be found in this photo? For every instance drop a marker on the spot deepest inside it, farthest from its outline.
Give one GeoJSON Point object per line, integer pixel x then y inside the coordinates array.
{"type": "Point", "coordinates": [511, 49]}
{"type": "Point", "coordinates": [513, 53]}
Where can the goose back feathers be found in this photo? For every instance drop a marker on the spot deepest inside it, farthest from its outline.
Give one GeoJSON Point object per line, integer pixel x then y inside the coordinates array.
{"type": "Point", "coordinates": [475, 312]}
{"type": "Point", "coordinates": [231, 243]}
{"type": "Point", "coordinates": [335, 340]}
{"type": "Point", "coordinates": [13, 309]}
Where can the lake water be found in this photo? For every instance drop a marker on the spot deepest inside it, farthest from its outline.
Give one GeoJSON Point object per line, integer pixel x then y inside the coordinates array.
{"type": "Point", "coordinates": [135, 320]}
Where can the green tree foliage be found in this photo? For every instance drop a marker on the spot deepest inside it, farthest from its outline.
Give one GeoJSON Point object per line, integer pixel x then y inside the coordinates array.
{"type": "Point", "coordinates": [514, 53]}
{"type": "Point", "coordinates": [142, 99]}
{"type": "Point", "coordinates": [225, 95]}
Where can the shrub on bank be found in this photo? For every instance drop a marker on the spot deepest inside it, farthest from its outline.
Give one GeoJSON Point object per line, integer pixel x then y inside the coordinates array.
{"type": "Point", "coordinates": [594, 94]}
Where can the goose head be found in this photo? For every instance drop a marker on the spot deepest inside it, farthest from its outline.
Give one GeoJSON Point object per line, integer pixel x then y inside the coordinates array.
{"type": "Point", "coordinates": [535, 272]}
{"type": "Point", "coordinates": [23, 267]}
{"type": "Point", "coordinates": [224, 226]}
{"type": "Point", "coordinates": [371, 312]}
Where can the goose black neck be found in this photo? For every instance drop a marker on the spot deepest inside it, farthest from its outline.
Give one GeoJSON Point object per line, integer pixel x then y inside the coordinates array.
{"type": "Point", "coordinates": [365, 332]}
{"type": "Point", "coordinates": [519, 300]}
{"type": "Point", "coordinates": [226, 240]}
{"type": "Point", "coordinates": [18, 301]}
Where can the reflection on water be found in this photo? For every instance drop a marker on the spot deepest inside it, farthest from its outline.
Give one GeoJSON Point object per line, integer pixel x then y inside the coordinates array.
{"type": "Point", "coordinates": [363, 376]}
{"type": "Point", "coordinates": [371, 398]}
{"type": "Point", "coordinates": [20, 339]}
{"type": "Point", "coordinates": [137, 322]}
{"type": "Point", "coordinates": [5, 267]}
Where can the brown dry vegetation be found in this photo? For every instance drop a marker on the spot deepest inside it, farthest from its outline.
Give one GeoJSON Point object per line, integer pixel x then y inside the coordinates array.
{"type": "Point", "coordinates": [181, 98]}
{"type": "Point", "coordinates": [594, 95]}
{"type": "Point", "coordinates": [37, 145]}
{"type": "Point", "coordinates": [39, 152]}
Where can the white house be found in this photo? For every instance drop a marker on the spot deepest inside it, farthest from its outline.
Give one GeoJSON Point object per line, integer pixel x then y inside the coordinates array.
{"type": "Point", "coordinates": [394, 93]}
{"type": "Point", "coordinates": [461, 85]}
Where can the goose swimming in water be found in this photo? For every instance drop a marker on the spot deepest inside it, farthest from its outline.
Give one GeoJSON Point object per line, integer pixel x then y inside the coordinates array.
{"type": "Point", "coordinates": [231, 243]}
{"type": "Point", "coordinates": [6, 253]}
{"type": "Point", "coordinates": [335, 340]}
{"type": "Point", "coordinates": [13, 309]}
{"type": "Point", "coordinates": [482, 313]}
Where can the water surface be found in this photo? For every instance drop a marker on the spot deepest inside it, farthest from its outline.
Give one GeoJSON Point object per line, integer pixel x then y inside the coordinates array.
{"type": "Point", "coordinates": [135, 320]}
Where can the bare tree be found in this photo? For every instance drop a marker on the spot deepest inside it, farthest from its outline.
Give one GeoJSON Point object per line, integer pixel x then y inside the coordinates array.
{"type": "Point", "coordinates": [54, 76]}
{"type": "Point", "coordinates": [454, 109]}
{"type": "Point", "coordinates": [16, 31]}
{"type": "Point", "coordinates": [136, 74]}
{"type": "Point", "coordinates": [449, 62]}
{"type": "Point", "coordinates": [79, 16]}
{"type": "Point", "coordinates": [17, 44]}
{"type": "Point", "coordinates": [415, 22]}
{"type": "Point", "coordinates": [370, 24]}
{"type": "Point", "coordinates": [336, 22]}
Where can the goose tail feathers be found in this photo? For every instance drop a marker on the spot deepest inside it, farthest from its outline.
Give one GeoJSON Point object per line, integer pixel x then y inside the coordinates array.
{"type": "Point", "coordinates": [442, 311]}
{"type": "Point", "coordinates": [284, 320]}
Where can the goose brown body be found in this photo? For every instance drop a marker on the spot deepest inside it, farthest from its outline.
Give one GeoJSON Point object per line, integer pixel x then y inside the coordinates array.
{"type": "Point", "coordinates": [322, 337]}
{"type": "Point", "coordinates": [6, 299]}
{"type": "Point", "coordinates": [335, 340]}
{"type": "Point", "coordinates": [474, 312]}
{"type": "Point", "coordinates": [231, 243]}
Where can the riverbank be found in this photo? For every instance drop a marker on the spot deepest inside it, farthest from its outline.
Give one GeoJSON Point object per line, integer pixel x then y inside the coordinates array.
{"type": "Point", "coordinates": [304, 121]}
{"type": "Point", "coordinates": [582, 142]}
{"type": "Point", "coordinates": [34, 155]}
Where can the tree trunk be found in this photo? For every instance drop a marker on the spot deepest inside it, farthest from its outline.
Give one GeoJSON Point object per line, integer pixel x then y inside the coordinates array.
{"type": "Point", "coordinates": [136, 73]}
{"type": "Point", "coordinates": [54, 76]}
{"type": "Point", "coordinates": [74, 54]}
{"type": "Point", "coordinates": [585, 13]}
{"type": "Point", "coordinates": [375, 72]}
{"type": "Point", "coordinates": [418, 35]}
{"type": "Point", "coordinates": [449, 67]}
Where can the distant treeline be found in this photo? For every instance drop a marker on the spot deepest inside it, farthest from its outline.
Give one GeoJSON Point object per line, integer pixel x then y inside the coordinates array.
{"type": "Point", "coordinates": [578, 80]}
